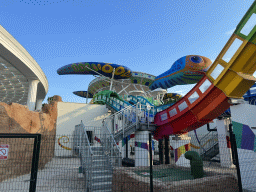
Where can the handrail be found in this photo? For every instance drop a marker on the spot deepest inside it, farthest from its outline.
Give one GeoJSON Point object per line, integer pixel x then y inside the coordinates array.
{"type": "Point", "coordinates": [121, 111]}
{"type": "Point", "coordinates": [205, 136]}
{"type": "Point", "coordinates": [209, 136]}
{"type": "Point", "coordinates": [87, 139]}
{"type": "Point", "coordinates": [113, 140]}
{"type": "Point", "coordinates": [85, 154]}
{"type": "Point", "coordinates": [140, 99]}
{"type": "Point", "coordinates": [208, 142]}
{"type": "Point", "coordinates": [110, 147]}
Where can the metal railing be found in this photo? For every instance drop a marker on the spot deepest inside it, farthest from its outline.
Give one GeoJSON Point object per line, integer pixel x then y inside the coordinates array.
{"type": "Point", "coordinates": [118, 104]}
{"type": "Point", "coordinates": [86, 155]}
{"type": "Point", "coordinates": [98, 152]}
{"type": "Point", "coordinates": [110, 147]}
{"type": "Point", "coordinates": [252, 102]}
{"type": "Point", "coordinates": [129, 115]}
{"type": "Point", "coordinates": [145, 113]}
{"type": "Point", "coordinates": [208, 141]}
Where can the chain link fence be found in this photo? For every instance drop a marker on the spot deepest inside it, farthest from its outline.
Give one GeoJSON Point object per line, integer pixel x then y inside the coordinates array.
{"type": "Point", "coordinates": [85, 161]}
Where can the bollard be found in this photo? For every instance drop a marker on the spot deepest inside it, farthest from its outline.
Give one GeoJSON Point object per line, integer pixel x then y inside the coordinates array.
{"type": "Point", "coordinates": [196, 164]}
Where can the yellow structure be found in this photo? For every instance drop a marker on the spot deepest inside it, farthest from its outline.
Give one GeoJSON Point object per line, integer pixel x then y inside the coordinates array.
{"type": "Point", "coordinates": [232, 72]}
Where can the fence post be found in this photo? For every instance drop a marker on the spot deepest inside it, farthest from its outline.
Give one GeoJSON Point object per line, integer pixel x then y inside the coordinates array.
{"type": "Point", "coordinates": [151, 162]}
{"type": "Point", "coordinates": [126, 147]}
{"type": "Point", "coordinates": [35, 159]}
{"type": "Point", "coordinates": [167, 150]}
{"type": "Point", "coordinates": [161, 151]}
{"type": "Point", "coordinates": [235, 156]}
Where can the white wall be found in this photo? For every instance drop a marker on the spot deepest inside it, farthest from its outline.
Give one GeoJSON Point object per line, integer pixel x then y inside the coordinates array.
{"type": "Point", "coordinates": [245, 114]}
{"type": "Point", "coordinates": [201, 132]}
{"type": "Point", "coordinates": [71, 114]}
{"type": "Point", "coordinates": [224, 151]}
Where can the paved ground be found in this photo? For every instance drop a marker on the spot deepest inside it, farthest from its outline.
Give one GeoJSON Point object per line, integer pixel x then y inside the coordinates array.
{"type": "Point", "coordinates": [59, 175]}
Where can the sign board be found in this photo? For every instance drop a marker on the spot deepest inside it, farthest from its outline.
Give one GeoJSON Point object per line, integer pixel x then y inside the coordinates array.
{"type": "Point", "coordinates": [4, 149]}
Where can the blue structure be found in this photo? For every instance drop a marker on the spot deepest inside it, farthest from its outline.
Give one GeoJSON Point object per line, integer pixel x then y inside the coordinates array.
{"type": "Point", "coordinates": [251, 95]}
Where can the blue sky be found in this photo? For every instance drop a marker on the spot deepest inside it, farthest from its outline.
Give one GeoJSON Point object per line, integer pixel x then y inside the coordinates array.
{"type": "Point", "coordinates": [144, 35]}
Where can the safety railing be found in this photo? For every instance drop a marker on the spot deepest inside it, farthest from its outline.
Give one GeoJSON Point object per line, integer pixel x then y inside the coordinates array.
{"type": "Point", "coordinates": [82, 143]}
{"type": "Point", "coordinates": [132, 99]}
{"type": "Point", "coordinates": [127, 120]}
{"type": "Point", "coordinates": [122, 119]}
{"type": "Point", "coordinates": [145, 113]}
{"type": "Point", "coordinates": [252, 102]}
{"type": "Point", "coordinates": [208, 141]}
{"type": "Point", "coordinates": [116, 104]}
{"type": "Point", "coordinates": [110, 147]}
{"type": "Point", "coordinates": [98, 153]}
{"type": "Point", "coordinates": [143, 101]}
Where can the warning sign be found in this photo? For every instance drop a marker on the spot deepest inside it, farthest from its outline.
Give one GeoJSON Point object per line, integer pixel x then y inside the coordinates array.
{"type": "Point", "coordinates": [4, 148]}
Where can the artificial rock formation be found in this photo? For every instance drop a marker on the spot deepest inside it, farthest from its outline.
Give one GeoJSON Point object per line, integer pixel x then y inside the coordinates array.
{"type": "Point", "coordinates": [16, 118]}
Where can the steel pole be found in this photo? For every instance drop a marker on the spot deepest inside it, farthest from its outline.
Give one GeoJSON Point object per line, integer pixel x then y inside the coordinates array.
{"type": "Point", "coordinates": [111, 82]}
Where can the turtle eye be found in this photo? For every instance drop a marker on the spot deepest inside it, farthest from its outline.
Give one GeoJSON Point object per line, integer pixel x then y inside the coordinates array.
{"type": "Point", "coordinates": [196, 59]}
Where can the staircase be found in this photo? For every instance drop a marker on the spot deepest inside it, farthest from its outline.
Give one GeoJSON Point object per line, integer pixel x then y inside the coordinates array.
{"type": "Point", "coordinates": [130, 119]}
{"type": "Point", "coordinates": [101, 178]}
{"type": "Point", "coordinates": [211, 152]}
{"type": "Point", "coordinates": [210, 146]}
{"type": "Point", "coordinates": [96, 162]}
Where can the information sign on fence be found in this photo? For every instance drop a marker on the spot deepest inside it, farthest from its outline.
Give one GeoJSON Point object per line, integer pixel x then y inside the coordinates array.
{"type": "Point", "coordinates": [4, 148]}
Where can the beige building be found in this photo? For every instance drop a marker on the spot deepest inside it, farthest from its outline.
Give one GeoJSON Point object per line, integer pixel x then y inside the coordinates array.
{"type": "Point", "coordinates": [21, 78]}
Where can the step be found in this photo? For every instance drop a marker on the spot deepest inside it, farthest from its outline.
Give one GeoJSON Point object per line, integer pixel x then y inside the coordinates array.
{"type": "Point", "coordinates": [101, 185]}
{"type": "Point", "coordinates": [100, 158]}
{"type": "Point", "coordinates": [101, 172]}
{"type": "Point", "coordinates": [97, 152]}
{"type": "Point", "coordinates": [101, 166]}
{"type": "Point", "coordinates": [103, 190]}
{"type": "Point", "coordinates": [97, 156]}
{"type": "Point", "coordinates": [102, 178]}
{"type": "Point", "coordinates": [97, 148]}
{"type": "Point", "coordinates": [101, 162]}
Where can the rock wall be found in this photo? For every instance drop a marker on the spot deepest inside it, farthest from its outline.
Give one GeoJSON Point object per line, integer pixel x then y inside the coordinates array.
{"type": "Point", "coordinates": [16, 118]}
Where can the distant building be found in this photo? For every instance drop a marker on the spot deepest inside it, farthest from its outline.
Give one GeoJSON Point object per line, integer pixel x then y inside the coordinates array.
{"type": "Point", "coordinates": [21, 78]}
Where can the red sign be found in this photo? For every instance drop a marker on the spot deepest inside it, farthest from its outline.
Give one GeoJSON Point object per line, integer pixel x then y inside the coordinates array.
{"type": "Point", "coordinates": [4, 149]}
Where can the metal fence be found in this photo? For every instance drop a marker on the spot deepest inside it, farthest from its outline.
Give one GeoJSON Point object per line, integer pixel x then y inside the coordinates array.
{"type": "Point", "coordinates": [90, 160]}
{"type": "Point", "coordinates": [150, 166]}
{"type": "Point", "coordinates": [99, 154]}
{"type": "Point", "coordinates": [173, 172]}
{"type": "Point", "coordinates": [19, 154]}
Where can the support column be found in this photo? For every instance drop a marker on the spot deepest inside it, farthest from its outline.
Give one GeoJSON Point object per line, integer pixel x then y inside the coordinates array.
{"type": "Point", "coordinates": [124, 145]}
{"type": "Point", "coordinates": [122, 148]}
{"type": "Point", "coordinates": [161, 151]}
{"type": "Point", "coordinates": [225, 152]}
{"type": "Point", "coordinates": [141, 148]}
{"type": "Point", "coordinates": [32, 91]}
{"type": "Point", "coordinates": [126, 148]}
{"type": "Point", "coordinates": [167, 150]}
{"type": "Point", "coordinates": [39, 104]}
